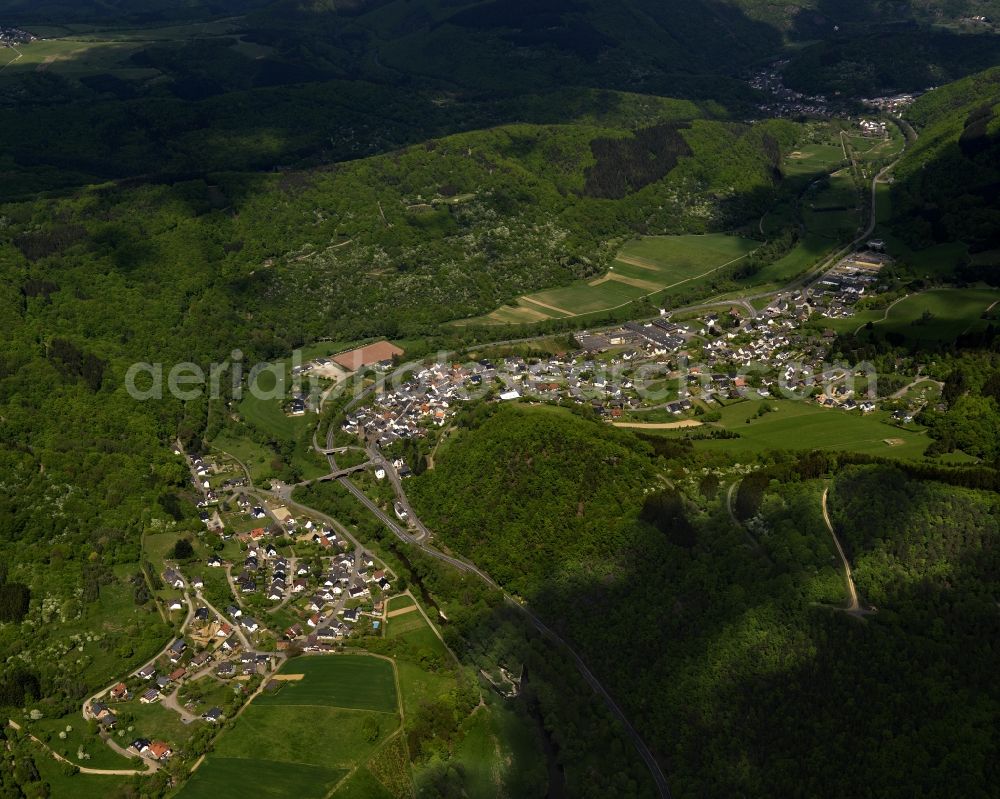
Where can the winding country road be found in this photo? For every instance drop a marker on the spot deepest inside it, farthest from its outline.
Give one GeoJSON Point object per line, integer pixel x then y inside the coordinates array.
{"type": "Point", "coordinates": [885, 316]}
{"type": "Point", "coordinates": [14, 60]}
{"type": "Point", "coordinates": [376, 457]}
{"type": "Point", "coordinates": [168, 700]}
{"type": "Point", "coordinates": [853, 606]}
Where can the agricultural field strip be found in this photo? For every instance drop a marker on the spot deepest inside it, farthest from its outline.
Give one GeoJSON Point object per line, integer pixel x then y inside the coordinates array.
{"type": "Point", "coordinates": [641, 296]}
{"type": "Point", "coordinates": [587, 294]}
{"type": "Point", "coordinates": [265, 760]}
{"type": "Point", "coordinates": [326, 707]}
{"type": "Point", "coordinates": [548, 306]}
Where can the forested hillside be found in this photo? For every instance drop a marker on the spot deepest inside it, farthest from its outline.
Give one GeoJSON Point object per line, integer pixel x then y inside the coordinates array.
{"type": "Point", "coordinates": [561, 493]}
{"type": "Point", "coordinates": [906, 535]}
{"type": "Point", "coordinates": [299, 84]}
{"type": "Point", "coordinates": [162, 90]}
{"type": "Point", "coordinates": [807, 17]}
{"type": "Point", "coordinates": [391, 244]}
{"type": "Point", "coordinates": [869, 62]}
{"type": "Point", "coordinates": [726, 645]}
{"type": "Point", "coordinates": [119, 11]}
{"type": "Point", "coordinates": [946, 186]}
{"type": "Point", "coordinates": [970, 415]}
{"type": "Point", "coordinates": [782, 15]}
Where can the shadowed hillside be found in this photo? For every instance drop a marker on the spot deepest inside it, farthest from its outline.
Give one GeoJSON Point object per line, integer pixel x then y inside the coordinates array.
{"type": "Point", "coordinates": [734, 661]}
{"type": "Point", "coordinates": [948, 186]}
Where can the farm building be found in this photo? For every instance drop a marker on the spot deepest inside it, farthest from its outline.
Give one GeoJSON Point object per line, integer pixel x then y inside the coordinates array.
{"type": "Point", "coordinates": [379, 352]}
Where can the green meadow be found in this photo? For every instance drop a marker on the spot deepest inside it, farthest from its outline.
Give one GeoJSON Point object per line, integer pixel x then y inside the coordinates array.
{"type": "Point", "coordinates": [871, 149]}
{"type": "Point", "coordinates": [158, 721]}
{"type": "Point", "coordinates": [417, 684]}
{"type": "Point", "coordinates": [413, 630]}
{"type": "Point", "coordinates": [78, 737]}
{"type": "Point", "coordinates": [268, 417]}
{"type": "Point", "coordinates": [809, 251]}
{"type": "Point", "coordinates": [669, 261]}
{"type": "Point", "coordinates": [303, 738]}
{"type": "Point", "coordinates": [79, 51]}
{"type": "Point", "coordinates": [236, 778]}
{"type": "Point", "coordinates": [679, 257]}
{"type": "Point", "coordinates": [927, 316]}
{"type": "Point", "coordinates": [73, 57]}
{"type": "Point", "coordinates": [400, 602]}
{"type": "Point", "coordinates": [361, 785]}
{"type": "Point", "coordinates": [833, 210]}
{"type": "Point", "coordinates": [497, 749]}
{"type": "Point", "coordinates": [359, 682]}
{"type": "Point", "coordinates": [268, 414]}
{"type": "Point", "coordinates": [320, 736]}
{"type": "Point", "coordinates": [583, 297]}
{"type": "Point", "coordinates": [937, 262]}
{"type": "Point", "coordinates": [807, 425]}
{"type": "Point", "coordinates": [813, 159]}
{"type": "Point", "coordinates": [77, 786]}
{"type": "Point", "coordinates": [937, 315]}
{"type": "Point", "coordinates": [400, 625]}
{"type": "Point", "coordinates": [256, 457]}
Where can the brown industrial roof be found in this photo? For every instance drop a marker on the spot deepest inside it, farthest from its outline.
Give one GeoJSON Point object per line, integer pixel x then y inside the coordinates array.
{"type": "Point", "coordinates": [366, 356]}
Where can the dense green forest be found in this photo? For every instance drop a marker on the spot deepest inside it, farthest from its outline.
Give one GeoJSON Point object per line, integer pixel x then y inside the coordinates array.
{"type": "Point", "coordinates": [561, 492]}
{"type": "Point", "coordinates": [301, 84]}
{"type": "Point", "coordinates": [866, 62]}
{"type": "Point", "coordinates": [946, 186]}
{"type": "Point", "coordinates": [971, 413]}
{"type": "Point", "coordinates": [725, 642]}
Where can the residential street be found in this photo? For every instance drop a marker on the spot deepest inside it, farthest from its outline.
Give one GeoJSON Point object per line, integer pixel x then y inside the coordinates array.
{"type": "Point", "coordinates": [236, 627]}
{"type": "Point", "coordinates": [920, 379]}
{"type": "Point", "coordinates": [169, 700]}
{"type": "Point", "coordinates": [184, 625]}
